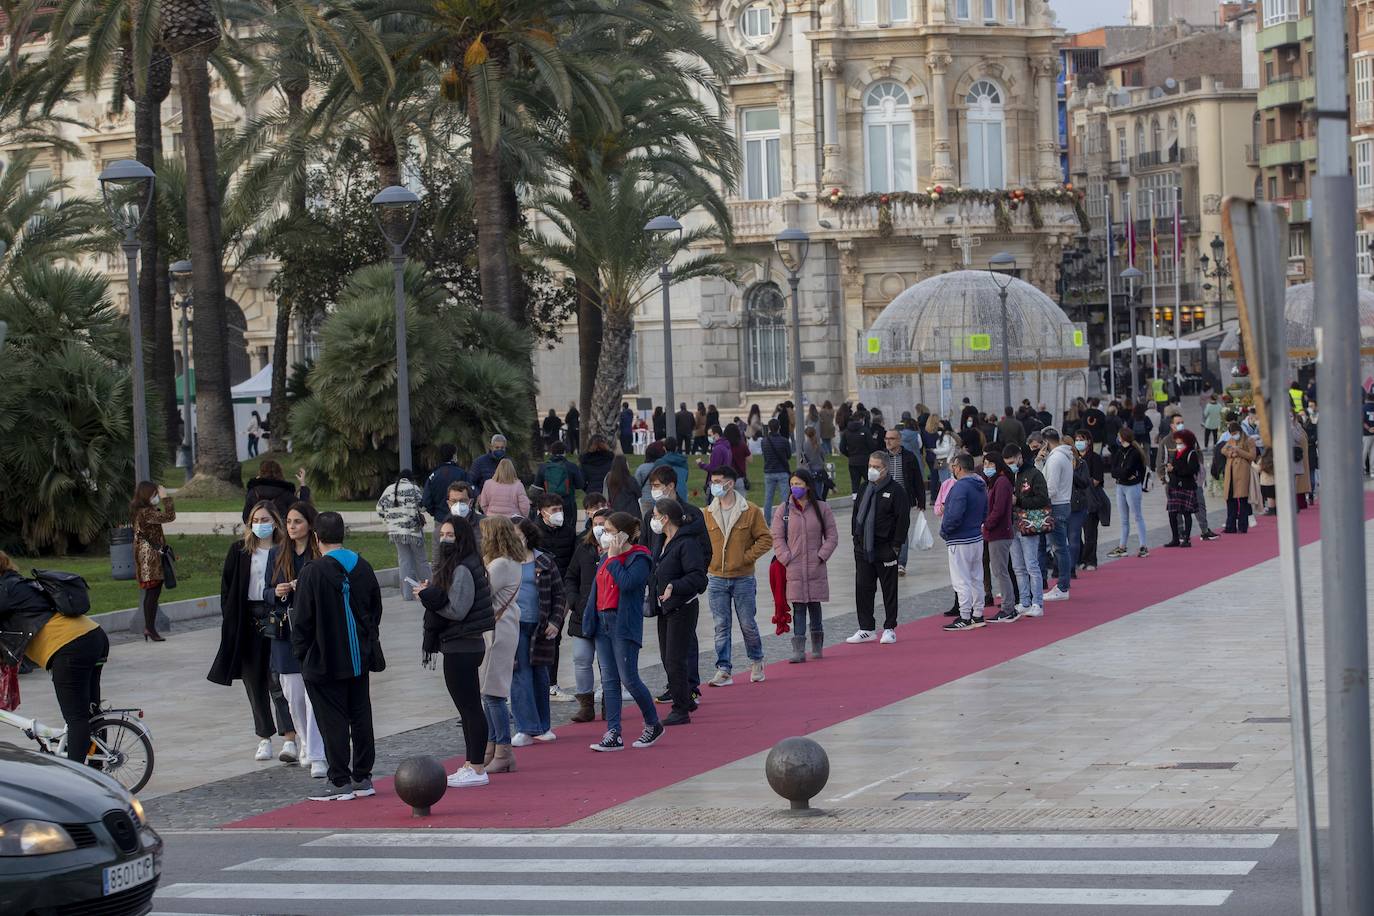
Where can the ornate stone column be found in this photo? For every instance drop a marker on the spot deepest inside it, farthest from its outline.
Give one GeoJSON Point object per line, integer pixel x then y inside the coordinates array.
{"type": "Point", "coordinates": [943, 168]}
{"type": "Point", "coordinates": [1047, 172]}
{"type": "Point", "coordinates": [833, 174]}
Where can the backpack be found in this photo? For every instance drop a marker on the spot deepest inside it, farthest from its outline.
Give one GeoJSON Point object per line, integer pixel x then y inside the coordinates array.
{"type": "Point", "coordinates": [557, 480]}
{"type": "Point", "coordinates": [67, 592]}
{"type": "Point", "coordinates": [1141, 428]}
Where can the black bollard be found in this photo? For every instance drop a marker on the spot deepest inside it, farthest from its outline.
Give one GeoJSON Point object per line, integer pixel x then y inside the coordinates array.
{"type": "Point", "coordinates": [420, 782]}
{"type": "Point", "coordinates": [798, 769]}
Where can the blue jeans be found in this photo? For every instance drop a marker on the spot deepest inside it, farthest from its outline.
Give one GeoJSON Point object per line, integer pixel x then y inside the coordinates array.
{"type": "Point", "coordinates": [1059, 540]}
{"type": "Point", "coordinates": [619, 660]}
{"type": "Point", "coordinates": [1128, 504]}
{"type": "Point", "coordinates": [776, 482]}
{"type": "Point", "coordinates": [1025, 562]}
{"type": "Point", "coordinates": [498, 719]}
{"type": "Point", "coordinates": [529, 687]}
{"type": "Point", "coordinates": [740, 592]}
{"type": "Point", "coordinates": [584, 654]}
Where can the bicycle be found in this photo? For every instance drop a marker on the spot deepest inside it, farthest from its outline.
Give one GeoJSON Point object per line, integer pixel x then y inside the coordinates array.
{"type": "Point", "coordinates": [121, 745]}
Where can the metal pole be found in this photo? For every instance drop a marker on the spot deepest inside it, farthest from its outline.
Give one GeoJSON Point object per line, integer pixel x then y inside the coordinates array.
{"type": "Point", "coordinates": [1006, 348]}
{"type": "Point", "coordinates": [398, 265]}
{"type": "Point", "coordinates": [1135, 364]}
{"type": "Point", "coordinates": [188, 439]}
{"type": "Point", "coordinates": [1178, 297]}
{"type": "Point", "coordinates": [668, 409]}
{"type": "Point", "coordinates": [141, 466]}
{"type": "Point", "coordinates": [792, 281]}
{"type": "Point", "coordinates": [1336, 319]}
{"type": "Point", "coordinates": [1107, 285]}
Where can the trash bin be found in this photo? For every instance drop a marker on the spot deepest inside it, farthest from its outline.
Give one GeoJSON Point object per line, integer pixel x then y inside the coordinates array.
{"type": "Point", "coordinates": [122, 554]}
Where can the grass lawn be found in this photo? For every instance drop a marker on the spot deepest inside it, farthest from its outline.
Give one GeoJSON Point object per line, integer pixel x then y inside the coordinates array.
{"type": "Point", "coordinates": [174, 477]}
{"type": "Point", "coordinates": [200, 557]}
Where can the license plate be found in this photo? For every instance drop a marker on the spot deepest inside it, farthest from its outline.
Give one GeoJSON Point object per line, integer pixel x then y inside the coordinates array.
{"type": "Point", "coordinates": [125, 875]}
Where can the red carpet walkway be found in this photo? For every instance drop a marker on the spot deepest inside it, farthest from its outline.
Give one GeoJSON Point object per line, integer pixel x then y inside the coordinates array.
{"type": "Point", "coordinates": [563, 782]}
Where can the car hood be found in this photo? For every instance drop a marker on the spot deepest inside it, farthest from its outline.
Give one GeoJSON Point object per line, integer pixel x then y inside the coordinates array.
{"type": "Point", "coordinates": [52, 789]}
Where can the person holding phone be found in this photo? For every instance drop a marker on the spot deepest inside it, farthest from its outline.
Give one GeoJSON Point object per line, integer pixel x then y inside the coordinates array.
{"type": "Point", "coordinates": [284, 564]}
{"type": "Point", "coordinates": [151, 509]}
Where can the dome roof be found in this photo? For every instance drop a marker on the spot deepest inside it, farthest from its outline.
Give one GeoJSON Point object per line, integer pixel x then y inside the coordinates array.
{"type": "Point", "coordinates": [1299, 312]}
{"type": "Point", "coordinates": [957, 316]}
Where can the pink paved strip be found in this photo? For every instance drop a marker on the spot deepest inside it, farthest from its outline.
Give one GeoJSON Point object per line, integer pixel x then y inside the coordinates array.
{"type": "Point", "coordinates": [563, 782]}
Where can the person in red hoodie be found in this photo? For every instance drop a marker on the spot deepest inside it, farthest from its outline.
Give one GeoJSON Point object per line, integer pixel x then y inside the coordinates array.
{"type": "Point", "coordinates": [997, 533]}
{"type": "Point", "coordinates": [614, 617]}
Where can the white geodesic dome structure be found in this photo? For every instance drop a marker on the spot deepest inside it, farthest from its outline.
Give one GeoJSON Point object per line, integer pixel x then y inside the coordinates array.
{"type": "Point", "coordinates": [1298, 310]}
{"type": "Point", "coordinates": [956, 319]}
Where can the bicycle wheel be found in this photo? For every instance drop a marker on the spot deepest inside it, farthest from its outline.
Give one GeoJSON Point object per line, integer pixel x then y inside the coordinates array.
{"type": "Point", "coordinates": [122, 750]}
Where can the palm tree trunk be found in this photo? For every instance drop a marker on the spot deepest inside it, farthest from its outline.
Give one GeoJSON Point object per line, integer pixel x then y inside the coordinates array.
{"type": "Point", "coordinates": [493, 255]}
{"type": "Point", "coordinates": [588, 343]}
{"type": "Point", "coordinates": [610, 375]}
{"type": "Point", "coordinates": [147, 134]}
{"type": "Point", "coordinates": [218, 452]}
{"type": "Point", "coordinates": [280, 361]}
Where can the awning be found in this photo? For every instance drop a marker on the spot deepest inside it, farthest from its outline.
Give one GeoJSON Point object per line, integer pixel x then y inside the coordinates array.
{"type": "Point", "coordinates": [259, 386]}
{"type": "Point", "coordinates": [1147, 344]}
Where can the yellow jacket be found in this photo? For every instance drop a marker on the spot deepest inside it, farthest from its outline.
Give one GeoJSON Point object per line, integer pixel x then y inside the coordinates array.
{"type": "Point", "coordinates": [749, 539]}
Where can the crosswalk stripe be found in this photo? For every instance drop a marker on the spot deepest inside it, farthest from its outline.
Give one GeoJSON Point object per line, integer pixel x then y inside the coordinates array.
{"type": "Point", "coordinates": [488, 840]}
{"type": "Point", "coordinates": [760, 868]}
{"type": "Point", "coordinates": [704, 894]}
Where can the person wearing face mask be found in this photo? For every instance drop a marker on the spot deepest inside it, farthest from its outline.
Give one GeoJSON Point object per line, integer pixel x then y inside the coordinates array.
{"type": "Point", "coordinates": [558, 538]}
{"type": "Point", "coordinates": [245, 650]}
{"type": "Point", "coordinates": [675, 459]}
{"type": "Point", "coordinates": [777, 456]}
{"type": "Point", "coordinates": [441, 479]}
{"type": "Point", "coordinates": [560, 477]}
{"type": "Point", "coordinates": [856, 445]}
{"type": "Point", "coordinates": [722, 455]}
{"type": "Point", "coordinates": [614, 616]}
{"type": "Point", "coordinates": [804, 538]}
{"type": "Point", "coordinates": [879, 527]}
{"type": "Point", "coordinates": [905, 467]}
{"type": "Point", "coordinates": [399, 507]}
{"type": "Point", "coordinates": [458, 614]}
{"type": "Point", "coordinates": [1168, 446]}
{"type": "Point", "coordinates": [1181, 485]}
{"type": "Point", "coordinates": [961, 526]}
{"type": "Point", "coordinates": [739, 538]}
{"type": "Point", "coordinates": [1239, 454]}
{"type": "Point", "coordinates": [1030, 500]}
{"type": "Point", "coordinates": [462, 503]}
{"type": "Point", "coordinates": [484, 468]}
{"type": "Point", "coordinates": [578, 584]}
{"type": "Point", "coordinates": [1089, 473]}
{"type": "Point", "coordinates": [678, 578]}
{"type": "Point", "coordinates": [997, 534]}
{"type": "Point", "coordinates": [503, 552]}
{"type": "Point", "coordinates": [284, 565]}
{"type": "Point", "coordinates": [151, 508]}
{"type": "Point", "coordinates": [1128, 470]}
{"type": "Point", "coordinates": [664, 484]}
{"type": "Point", "coordinates": [542, 605]}
{"type": "Point", "coordinates": [1059, 479]}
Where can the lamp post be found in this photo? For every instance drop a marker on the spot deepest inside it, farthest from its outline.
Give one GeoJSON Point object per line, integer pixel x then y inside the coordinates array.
{"type": "Point", "coordinates": [126, 187]}
{"type": "Point", "coordinates": [1130, 275]}
{"type": "Point", "coordinates": [1220, 274]}
{"type": "Point", "coordinates": [181, 287]}
{"type": "Point", "coordinates": [792, 246]}
{"type": "Point", "coordinates": [667, 232]}
{"type": "Point", "coordinates": [396, 209]}
{"type": "Point", "coordinates": [1000, 266]}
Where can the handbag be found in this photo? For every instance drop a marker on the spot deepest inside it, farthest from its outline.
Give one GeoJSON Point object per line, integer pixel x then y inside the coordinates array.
{"type": "Point", "coordinates": [922, 538]}
{"type": "Point", "coordinates": [168, 557]}
{"type": "Point", "coordinates": [1033, 521]}
{"type": "Point", "coordinates": [9, 687]}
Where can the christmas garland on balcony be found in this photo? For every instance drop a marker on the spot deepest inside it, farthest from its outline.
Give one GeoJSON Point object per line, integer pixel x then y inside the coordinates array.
{"type": "Point", "coordinates": [1005, 202]}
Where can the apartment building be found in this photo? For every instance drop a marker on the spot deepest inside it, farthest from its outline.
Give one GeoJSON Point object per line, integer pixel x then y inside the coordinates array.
{"type": "Point", "coordinates": [1283, 142]}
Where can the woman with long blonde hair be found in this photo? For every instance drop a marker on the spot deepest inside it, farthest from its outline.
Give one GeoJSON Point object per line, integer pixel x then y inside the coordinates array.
{"type": "Point", "coordinates": [245, 649]}
{"type": "Point", "coordinates": [504, 494]}
{"type": "Point", "coordinates": [503, 552]}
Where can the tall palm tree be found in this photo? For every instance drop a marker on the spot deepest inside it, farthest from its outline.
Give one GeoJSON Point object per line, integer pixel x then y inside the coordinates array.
{"type": "Point", "coordinates": [33, 229]}
{"type": "Point", "coordinates": [32, 89]}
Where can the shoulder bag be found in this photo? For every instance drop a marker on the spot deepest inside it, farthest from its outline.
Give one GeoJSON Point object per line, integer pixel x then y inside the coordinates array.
{"type": "Point", "coordinates": [1033, 521]}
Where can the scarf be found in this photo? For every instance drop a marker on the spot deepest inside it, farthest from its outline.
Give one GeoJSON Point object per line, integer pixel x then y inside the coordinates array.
{"type": "Point", "coordinates": [866, 517]}
{"type": "Point", "coordinates": [607, 592]}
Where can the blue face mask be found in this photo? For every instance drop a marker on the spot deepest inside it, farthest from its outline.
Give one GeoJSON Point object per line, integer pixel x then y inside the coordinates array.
{"type": "Point", "coordinates": [717, 490]}
{"type": "Point", "coordinates": [498, 453]}
{"type": "Point", "coordinates": [262, 530]}
{"type": "Point", "coordinates": [1081, 445]}
{"type": "Point", "coordinates": [989, 472]}
{"type": "Point", "coordinates": [1013, 467]}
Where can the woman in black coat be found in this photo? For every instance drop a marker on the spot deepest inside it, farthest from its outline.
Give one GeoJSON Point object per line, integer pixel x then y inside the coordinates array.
{"type": "Point", "coordinates": [578, 583]}
{"type": "Point", "coordinates": [679, 576]}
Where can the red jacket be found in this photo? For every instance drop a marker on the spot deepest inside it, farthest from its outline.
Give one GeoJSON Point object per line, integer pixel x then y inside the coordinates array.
{"type": "Point", "coordinates": [997, 525]}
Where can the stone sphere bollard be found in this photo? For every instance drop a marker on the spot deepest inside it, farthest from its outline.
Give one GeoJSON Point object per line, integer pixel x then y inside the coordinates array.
{"type": "Point", "coordinates": [798, 769]}
{"type": "Point", "coordinates": [420, 783]}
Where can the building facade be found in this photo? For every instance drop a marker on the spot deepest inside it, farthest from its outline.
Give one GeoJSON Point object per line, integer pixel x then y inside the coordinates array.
{"type": "Point", "coordinates": [1285, 146]}
{"type": "Point", "coordinates": [1360, 35]}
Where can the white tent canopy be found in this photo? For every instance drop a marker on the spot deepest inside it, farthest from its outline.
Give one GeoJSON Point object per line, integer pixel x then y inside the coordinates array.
{"type": "Point", "coordinates": [259, 386]}
{"type": "Point", "coordinates": [1147, 344]}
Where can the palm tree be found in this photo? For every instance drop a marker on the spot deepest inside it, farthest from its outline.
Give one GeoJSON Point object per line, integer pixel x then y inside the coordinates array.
{"type": "Point", "coordinates": [601, 241]}
{"type": "Point", "coordinates": [33, 229]}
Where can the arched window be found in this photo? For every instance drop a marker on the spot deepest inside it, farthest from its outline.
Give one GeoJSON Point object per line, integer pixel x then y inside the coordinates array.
{"type": "Point", "coordinates": [756, 23]}
{"type": "Point", "coordinates": [1139, 137]}
{"type": "Point", "coordinates": [1173, 130]}
{"type": "Point", "coordinates": [1190, 132]}
{"type": "Point", "coordinates": [1156, 136]}
{"type": "Point", "coordinates": [888, 138]}
{"type": "Point", "coordinates": [766, 337]}
{"type": "Point", "coordinates": [985, 117]}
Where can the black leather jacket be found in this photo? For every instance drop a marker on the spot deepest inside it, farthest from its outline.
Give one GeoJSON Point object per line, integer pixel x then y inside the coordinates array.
{"type": "Point", "coordinates": [23, 612]}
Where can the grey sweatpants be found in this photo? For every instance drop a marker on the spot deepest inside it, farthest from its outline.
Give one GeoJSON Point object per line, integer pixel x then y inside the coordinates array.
{"type": "Point", "coordinates": [1201, 512]}
{"type": "Point", "coordinates": [411, 558]}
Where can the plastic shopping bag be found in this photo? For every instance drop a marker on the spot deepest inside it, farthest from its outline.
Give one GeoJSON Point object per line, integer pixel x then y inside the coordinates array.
{"type": "Point", "coordinates": [921, 535]}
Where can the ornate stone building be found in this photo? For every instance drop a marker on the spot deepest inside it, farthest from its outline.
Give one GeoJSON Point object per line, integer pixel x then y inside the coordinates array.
{"type": "Point", "coordinates": [872, 99]}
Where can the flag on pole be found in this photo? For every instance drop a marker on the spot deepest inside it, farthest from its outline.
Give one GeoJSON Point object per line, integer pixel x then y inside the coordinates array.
{"type": "Point", "coordinates": [1154, 237]}
{"type": "Point", "coordinates": [1129, 219]}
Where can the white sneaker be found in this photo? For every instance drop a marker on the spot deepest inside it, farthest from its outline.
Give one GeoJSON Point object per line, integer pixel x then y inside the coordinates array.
{"type": "Point", "coordinates": [264, 750]}
{"type": "Point", "coordinates": [721, 678]}
{"type": "Point", "coordinates": [1056, 594]}
{"type": "Point", "coordinates": [559, 695]}
{"type": "Point", "coordinates": [318, 769]}
{"type": "Point", "coordinates": [289, 752]}
{"type": "Point", "coordinates": [1023, 609]}
{"type": "Point", "coordinates": [546, 737]}
{"type": "Point", "coordinates": [756, 672]}
{"type": "Point", "coordinates": [889, 637]}
{"type": "Point", "coordinates": [861, 636]}
{"type": "Point", "coordinates": [520, 739]}
{"type": "Point", "coordinates": [1035, 610]}
{"type": "Point", "coordinates": [466, 777]}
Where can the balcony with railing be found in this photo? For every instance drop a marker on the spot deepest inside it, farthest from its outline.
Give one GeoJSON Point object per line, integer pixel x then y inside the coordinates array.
{"type": "Point", "coordinates": [1173, 155]}
{"type": "Point", "coordinates": [1286, 89]}
{"type": "Point", "coordinates": [754, 220]}
{"type": "Point", "coordinates": [1285, 151]}
{"type": "Point", "coordinates": [1119, 168]}
{"type": "Point", "coordinates": [1364, 111]}
{"type": "Point", "coordinates": [1364, 198]}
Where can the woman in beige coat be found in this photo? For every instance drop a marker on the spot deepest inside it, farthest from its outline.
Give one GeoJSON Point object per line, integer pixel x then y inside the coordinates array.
{"type": "Point", "coordinates": [1302, 477]}
{"type": "Point", "coordinates": [503, 550]}
{"type": "Point", "coordinates": [1239, 451]}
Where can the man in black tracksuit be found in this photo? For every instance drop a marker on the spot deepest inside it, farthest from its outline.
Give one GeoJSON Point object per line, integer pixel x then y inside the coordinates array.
{"type": "Point", "coordinates": [335, 632]}
{"type": "Point", "coordinates": [881, 518]}
{"type": "Point", "coordinates": [663, 481]}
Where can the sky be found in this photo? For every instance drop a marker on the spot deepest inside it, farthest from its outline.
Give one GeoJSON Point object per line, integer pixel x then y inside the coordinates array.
{"type": "Point", "coordinates": [1078, 15]}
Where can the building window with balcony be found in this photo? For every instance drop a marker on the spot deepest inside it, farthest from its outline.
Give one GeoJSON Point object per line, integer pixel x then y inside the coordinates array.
{"type": "Point", "coordinates": [1190, 132]}
{"type": "Point", "coordinates": [1364, 89]}
{"type": "Point", "coordinates": [1364, 173]}
{"type": "Point", "coordinates": [867, 11]}
{"type": "Point", "coordinates": [985, 122]}
{"type": "Point", "coordinates": [766, 337]}
{"type": "Point", "coordinates": [1156, 136]}
{"type": "Point", "coordinates": [762, 154]}
{"type": "Point", "coordinates": [888, 129]}
{"type": "Point", "coordinates": [1140, 137]}
{"type": "Point", "coordinates": [1364, 263]}
{"type": "Point", "coordinates": [1173, 130]}
{"type": "Point", "coordinates": [1122, 152]}
{"type": "Point", "coordinates": [1278, 11]}
{"type": "Point", "coordinates": [756, 23]}
{"type": "Point", "coordinates": [961, 9]}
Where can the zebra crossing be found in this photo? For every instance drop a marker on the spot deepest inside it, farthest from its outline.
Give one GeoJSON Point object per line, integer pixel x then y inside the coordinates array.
{"type": "Point", "coordinates": [619, 874]}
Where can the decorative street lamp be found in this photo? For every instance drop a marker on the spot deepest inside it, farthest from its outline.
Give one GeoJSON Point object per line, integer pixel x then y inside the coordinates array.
{"type": "Point", "coordinates": [126, 187]}
{"type": "Point", "coordinates": [666, 231]}
{"type": "Point", "coordinates": [792, 246]}
{"type": "Point", "coordinates": [180, 272]}
{"type": "Point", "coordinates": [1130, 275]}
{"type": "Point", "coordinates": [1001, 266]}
{"type": "Point", "coordinates": [396, 210]}
{"type": "Point", "coordinates": [1221, 273]}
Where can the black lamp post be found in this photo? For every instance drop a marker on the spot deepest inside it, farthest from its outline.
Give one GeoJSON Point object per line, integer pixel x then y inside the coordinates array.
{"type": "Point", "coordinates": [792, 246]}
{"type": "Point", "coordinates": [1221, 272]}
{"type": "Point", "coordinates": [396, 209]}
{"type": "Point", "coordinates": [1130, 275]}
{"type": "Point", "coordinates": [1002, 266]}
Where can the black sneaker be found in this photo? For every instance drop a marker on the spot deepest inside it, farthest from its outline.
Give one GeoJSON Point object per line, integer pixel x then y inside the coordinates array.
{"type": "Point", "coordinates": [960, 624]}
{"type": "Point", "coordinates": [609, 742]}
{"type": "Point", "coordinates": [664, 697]}
{"type": "Point", "coordinates": [363, 789]}
{"type": "Point", "coordinates": [677, 718]}
{"type": "Point", "coordinates": [978, 621]}
{"type": "Point", "coordinates": [1006, 615]}
{"type": "Point", "coordinates": [1210, 536]}
{"type": "Point", "coordinates": [330, 792]}
{"type": "Point", "coordinates": [952, 613]}
{"type": "Point", "coordinates": [1187, 542]}
{"type": "Point", "coordinates": [696, 695]}
{"type": "Point", "coordinates": [650, 737]}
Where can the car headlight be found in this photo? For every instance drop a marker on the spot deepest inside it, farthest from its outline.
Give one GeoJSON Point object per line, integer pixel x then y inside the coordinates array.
{"type": "Point", "coordinates": [33, 838]}
{"type": "Point", "coordinates": [136, 809]}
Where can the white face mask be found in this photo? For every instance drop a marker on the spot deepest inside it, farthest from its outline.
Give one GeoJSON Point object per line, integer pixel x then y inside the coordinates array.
{"type": "Point", "coordinates": [262, 530]}
{"type": "Point", "coordinates": [874, 474]}
{"type": "Point", "coordinates": [658, 493]}
{"type": "Point", "coordinates": [717, 490]}
{"type": "Point", "coordinates": [608, 539]}
{"type": "Point", "coordinates": [460, 509]}
{"type": "Point", "coordinates": [655, 526]}
{"type": "Point", "coordinates": [556, 520]}
{"type": "Point", "coordinates": [598, 531]}
{"type": "Point", "coordinates": [155, 501]}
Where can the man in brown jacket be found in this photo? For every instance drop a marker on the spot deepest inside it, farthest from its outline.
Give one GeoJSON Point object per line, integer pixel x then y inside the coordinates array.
{"type": "Point", "coordinates": [739, 537]}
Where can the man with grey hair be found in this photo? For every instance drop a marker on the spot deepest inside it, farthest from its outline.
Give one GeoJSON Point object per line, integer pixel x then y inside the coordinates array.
{"type": "Point", "coordinates": [879, 526]}
{"type": "Point", "coordinates": [484, 468]}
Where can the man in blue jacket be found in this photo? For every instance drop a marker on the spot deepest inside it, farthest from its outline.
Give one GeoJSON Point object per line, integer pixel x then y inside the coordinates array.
{"type": "Point", "coordinates": [484, 468]}
{"type": "Point", "coordinates": [962, 528]}
{"type": "Point", "coordinates": [434, 499]}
